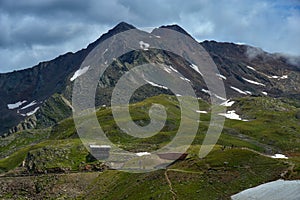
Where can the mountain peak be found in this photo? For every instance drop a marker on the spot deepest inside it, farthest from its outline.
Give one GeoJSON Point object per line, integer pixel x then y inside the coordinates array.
{"type": "Point", "coordinates": [120, 27]}
{"type": "Point", "coordinates": [176, 27]}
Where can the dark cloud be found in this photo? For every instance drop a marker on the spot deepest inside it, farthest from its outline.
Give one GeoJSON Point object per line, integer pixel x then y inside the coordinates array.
{"type": "Point", "coordinates": [34, 30]}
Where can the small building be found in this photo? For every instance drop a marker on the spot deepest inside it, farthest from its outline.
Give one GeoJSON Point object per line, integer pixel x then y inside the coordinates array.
{"type": "Point", "coordinates": [100, 151]}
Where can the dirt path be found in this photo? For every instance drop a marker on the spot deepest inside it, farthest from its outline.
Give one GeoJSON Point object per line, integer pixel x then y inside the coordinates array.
{"type": "Point", "coordinates": [185, 171]}
{"type": "Point", "coordinates": [290, 169]}
{"type": "Point", "coordinates": [170, 185]}
{"type": "Point", "coordinates": [254, 151]}
{"type": "Point", "coordinates": [267, 148]}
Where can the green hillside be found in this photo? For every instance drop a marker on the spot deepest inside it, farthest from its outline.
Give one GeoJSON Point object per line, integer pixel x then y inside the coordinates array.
{"type": "Point", "coordinates": [62, 167]}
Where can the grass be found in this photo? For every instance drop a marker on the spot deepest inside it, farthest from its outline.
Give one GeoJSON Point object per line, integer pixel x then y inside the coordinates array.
{"type": "Point", "coordinates": [12, 143]}
{"type": "Point", "coordinates": [244, 169]}
{"type": "Point", "coordinates": [273, 127]}
{"type": "Point", "coordinates": [47, 155]}
{"type": "Point", "coordinates": [270, 123]}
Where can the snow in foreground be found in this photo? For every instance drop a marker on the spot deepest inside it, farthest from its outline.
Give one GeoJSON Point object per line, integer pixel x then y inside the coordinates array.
{"type": "Point", "coordinates": [276, 190]}
{"type": "Point", "coordinates": [79, 73]}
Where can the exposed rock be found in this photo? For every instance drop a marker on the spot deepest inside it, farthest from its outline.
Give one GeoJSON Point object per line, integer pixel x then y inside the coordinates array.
{"type": "Point", "coordinates": [28, 123]}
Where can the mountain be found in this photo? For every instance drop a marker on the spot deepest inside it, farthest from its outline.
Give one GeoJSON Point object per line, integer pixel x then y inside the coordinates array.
{"type": "Point", "coordinates": [37, 84]}
{"type": "Point", "coordinates": [42, 156]}
{"type": "Point", "coordinates": [31, 97]}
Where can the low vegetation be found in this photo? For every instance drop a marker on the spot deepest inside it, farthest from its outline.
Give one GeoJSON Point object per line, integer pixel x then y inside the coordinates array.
{"type": "Point", "coordinates": [241, 158]}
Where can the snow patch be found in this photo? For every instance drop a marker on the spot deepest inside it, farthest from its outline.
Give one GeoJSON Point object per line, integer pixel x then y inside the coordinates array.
{"type": "Point", "coordinates": [219, 97]}
{"type": "Point", "coordinates": [96, 146]}
{"type": "Point", "coordinates": [156, 85]}
{"type": "Point", "coordinates": [232, 115]}
{"type": "Point", "coordinates": [206, 91]}
{"type": "Point", "coordinates": [195, 67]}
{"type": "Point", "coordinates": [167, 70]}
{"type": "Point", "coordinates": [143, 154]}
{"type": "Point", "coordinates": [33, 112]}
{"type": "Point", "coordinates": [143, 45]}
{"type": "Point", "coordinates": [284, 77]}
{"type": "Point", "coordinates": [249, 67]}
{"type": "Point", "coordinates": [79, 72]}
{"type": "Point", "coordinates": [248, 92]}
{"type": "Point", "coordinates": [221, 76]}
{"type": "Point", "coordinates": [173, 69]}
{"type": "Point", "coordinates": [275, 190]}
{"type": "Point", "coordinates": [15, 105]}
{"type": "Point", "coordinates": [253, 82]}
{"type": "Point", "coordinates": [185, 79]}
{"type": "Point", "coordinates": [228, 103]}
{"type": "Point", "coordinates": [279, 156]}
{"type": "Point", "coordinates": [264, 93]}
{"type": "Point", "coordinates": [238, 90]}
{"type": "Point", "coordinates": [279, 77]}
{"type": "Point", "coordinates": [104, 51]}
{"type": "Point", "coordinates": [29, 105]}
{"type": "Point", "coordinates": [201, 111]}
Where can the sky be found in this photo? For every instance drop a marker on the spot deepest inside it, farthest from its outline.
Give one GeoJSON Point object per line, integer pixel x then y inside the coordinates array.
{"type": "Point", "coordinates": [32, 31]}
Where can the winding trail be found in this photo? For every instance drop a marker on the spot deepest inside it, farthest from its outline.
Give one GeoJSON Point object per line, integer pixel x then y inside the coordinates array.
{"type": "Point", "coordinates": [185, 171]}
{"type": "Point", "coordinates": [170, 185]}
{"type": "Point", "coordinates": [254, 151]}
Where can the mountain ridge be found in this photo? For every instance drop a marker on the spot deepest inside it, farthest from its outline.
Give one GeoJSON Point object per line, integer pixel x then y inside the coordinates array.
{"type": "Point", "coordinates": [244, 75]}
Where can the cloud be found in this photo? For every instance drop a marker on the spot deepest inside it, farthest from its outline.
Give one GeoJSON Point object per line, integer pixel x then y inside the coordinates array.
{"type": "Point", "coordinates": [32, 31]}
{"type": "Point", "coordinates": [293, 60]}
{"type": "Point", "coordinates": [253, 52]}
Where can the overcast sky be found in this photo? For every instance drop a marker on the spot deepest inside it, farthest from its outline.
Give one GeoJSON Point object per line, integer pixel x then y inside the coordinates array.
{"type": "Point", "coordinates": [38, 30]}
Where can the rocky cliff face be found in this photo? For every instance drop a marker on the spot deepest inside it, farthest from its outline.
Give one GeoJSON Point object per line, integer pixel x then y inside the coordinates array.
{"type": "Point", "coordinates": [39, 83]}
{"type": "Point", "coordinates": [254, 70]}
{"type": "Point", "coordinates": [47, 88]}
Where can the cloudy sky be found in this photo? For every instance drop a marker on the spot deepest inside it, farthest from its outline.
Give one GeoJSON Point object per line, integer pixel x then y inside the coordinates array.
{"type": "Point", "coordinates": [33, 30]}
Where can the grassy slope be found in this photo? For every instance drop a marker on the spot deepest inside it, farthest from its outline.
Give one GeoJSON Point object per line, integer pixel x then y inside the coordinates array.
{"type": "Point", "coordinates": [273, 124]}
{"type": "Point", "coordinates": [193, 178]}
